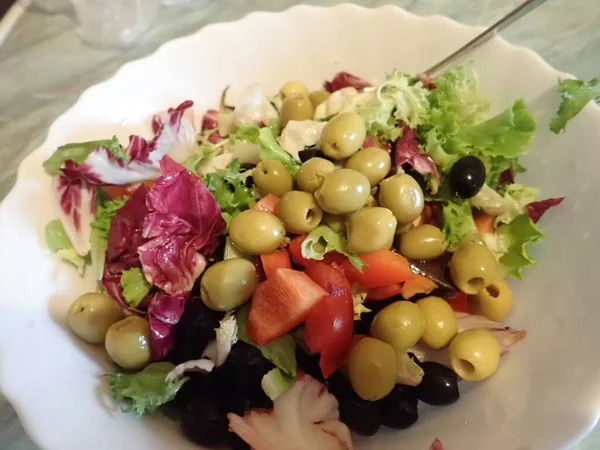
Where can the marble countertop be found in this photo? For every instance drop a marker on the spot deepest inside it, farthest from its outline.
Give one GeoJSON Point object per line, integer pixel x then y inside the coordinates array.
{"type": "Point", "coordinates": [44, 67]}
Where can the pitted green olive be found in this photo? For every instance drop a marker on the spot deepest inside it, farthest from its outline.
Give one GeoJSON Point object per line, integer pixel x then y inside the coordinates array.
{"type": "Point", "coordinates": [422, 242]}
{"type": "Point", "coordinates": [343, 135]}
{"type": "Point", "coordinates": [473, 268]}
{"type": "Point", "coordinates": [228, 284]}
{"type": "Point", "coordinates": [271, 177]}
{"type": "Point", "coordinates": [128, 343]}
{"type": "Point", "coordinates": [318, 97]}
{"type": "Point", "coordinates": [299, 212]}
{"type": "Point", "coordinates": [474, 354]}
{"type": "Point", "coordinates": [256, 232]}
{"type": "Point", "coordinates": [91, 315]}
{"type": "Point", "coordinates": [312, 173]}
{"type": "Point", "coordinates": [370, 229]}
{"type": "Point", "coordinates": [493, 302]}
{"type": "Point", "coordinates": [372, 369]}
{"type": "Point", "coordinates": [293, 87]}
{"type": "Point", "coordinates": [400, 324]}
{"type": "Point", "coordinates": [295, 107]}
{"type": "Point", "coordinates": [440, 321]}
{"type": "Point", "coordinates": [343, 191]}
{"type": "Point", "coordinates": [372, 162]}
{"type": "Point", "coordinates": [402, 195]}
{"type": "Point", "coordinates": [336, 222]}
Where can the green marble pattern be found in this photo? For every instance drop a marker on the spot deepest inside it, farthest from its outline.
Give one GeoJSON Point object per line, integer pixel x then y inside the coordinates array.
{"type": "Point", "coordinates": [44, 67]}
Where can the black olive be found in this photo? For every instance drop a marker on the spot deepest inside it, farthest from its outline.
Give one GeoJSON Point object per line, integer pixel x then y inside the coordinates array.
{"type": "Point", "coordinates": [361, 416]}
{"type": "Point", "coordinates": [309, 364]}
{"type": "Point", "coordinates": [439, 385]}
{"type": "Point", "coordinates": [249, 182]}
{"type": "Point", "coordinates": [419, 178]}
{"type": "Point", "coordinates": [237, 443]}
{"type": "Point", "coordinates": [204, 424]}
{"type": "Point", "coordinates": [311, 152]}
{"type": "Point", "coordinates": [247, 166]}
{"type": "Point", "coordinates": [466, 177]}
{"type": "Point", "coordinates": [193, 332]}
{"type": "Point", "coordinates": [399, 408]}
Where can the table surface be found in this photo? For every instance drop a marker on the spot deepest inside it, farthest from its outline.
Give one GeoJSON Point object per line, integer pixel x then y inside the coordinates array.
{"type": "Point", "coordinates": [44, 67]}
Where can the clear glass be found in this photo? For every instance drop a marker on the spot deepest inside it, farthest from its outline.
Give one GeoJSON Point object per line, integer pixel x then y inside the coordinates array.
{"type": "Point", "coordinates": [115, 23]}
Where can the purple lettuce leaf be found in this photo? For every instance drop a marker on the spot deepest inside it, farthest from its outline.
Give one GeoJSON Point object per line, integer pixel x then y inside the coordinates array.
{"type": "Point", "coordinates": [344, 79]}
{"type": "Point", "coordinates": [183, 224]}
{"type": "Point", "coordinates": [124, 238]}
{"type": "Point", "coordinates": [164, 312]}
{"type": "Point", "coordinates": [536, 210]}
{"type": "Point", "coordinates": [406, 151]}
{"type": "Point", "coordinates": [75, 202]}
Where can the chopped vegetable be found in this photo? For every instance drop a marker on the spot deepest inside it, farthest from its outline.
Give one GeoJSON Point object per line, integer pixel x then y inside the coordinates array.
{"type": "Point", "coordinates": [575, 94]}
{"type": "Point", "coordinates": [515, 238]}
{"type": "Point", "coordinates": [182, 225]}
{"type": "Point", "coordinates": [345, 79]}
{"type": "Point", "coordinates": [145, 391]}
{"type": "Point", "coordinates": [230, 190]}
{"type": "Point", "coordinates": [280, 351]}
{"type": "Point", "coordinates": [268, 203]}
{"type": "Point", "coordinates": [275, 383]}
{"type": "Point", "coordinates": [164, 312]}
{"type": "Point", "coordinates": [226, 337]}
{"type": "Point", "coordinates": [58, 241]}
{"type": "Point", "coordinates": [279, 259]}
{"type": "Point", "coordinates": [281, 303]}
{"type": "Point", "coordinates": [135, 286]}
{"type": "Point", "coordinates": [484, 223]}
{"type": "Point", "coordinates": [323, 240]}
{"type": "Point", "coordinates": [304, 417]}
{"type": "Point", "coordinates": [382, 268]}
{"type": "Point", "coordinates": [271, 150]}
{"type": "Point", "coordinates": [417, 285]}
{"type": "Point", "coordinates": [536, 210]}
{"type": "Point", "coordinates": [459, 225]}
{"type": "Point", "coordinates": [384, 292]}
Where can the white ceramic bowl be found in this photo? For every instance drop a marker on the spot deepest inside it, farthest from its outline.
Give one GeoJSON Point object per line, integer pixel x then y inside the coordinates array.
{"type": "Point", "coordinates": [546, 394]}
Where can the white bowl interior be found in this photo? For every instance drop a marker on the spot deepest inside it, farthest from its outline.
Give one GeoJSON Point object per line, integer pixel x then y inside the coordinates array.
{"type": "Point", "coordinates": [547, 392]}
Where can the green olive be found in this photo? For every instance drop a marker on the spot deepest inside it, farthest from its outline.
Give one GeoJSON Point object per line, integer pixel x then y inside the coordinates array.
{"type": "Point", "coordinates": [312, 173]}
{"type": "Point", "coordinates": [372, 369]}
{"type": "Point", "coordinates": [440, 321]}
{"type": "Point", "coordinates": [474, 354]}
{"type": "Point", "coordinates": [343, 135]}
{"type": "Point", "coordinates": [372, 162]}
{"type": "Point", "coordinates": [371, 202]}
{"type": "Point", "coordinates": [473, 268]}
{"type": "Point", "coordinates": [256, 232]}
{"type": "Point", "coordinates": [343, 191]}
{"type": "Point", "coordinates": [271, 177]}
{"type": "Point", "coordinates": [403, 196]}
{"type": "Point", "coordinates": [422, 242]}
{"type": "Point", "coordinates": [400, 324]}
{"type": "Point", "coordinates": [128, 343]}
{"type": "Point", "coordinates": [336, 222]}
{"type": "Point", "coordinates": [493, 302]}
{"type": "Point", "coordinates": [293, 87]}
{"type": "Point", "coordinates": [370, 229]}
{"type": "Point", "coordinates": [299, 212]}
{"type": "Point", "coordinates": [228, 284]}
{"type": "Point", "coordinates": [296, 107]}
{"type": "Point", "coordinates": [318, 97]}
{"type": "Point", "coordinates": [91, 315]}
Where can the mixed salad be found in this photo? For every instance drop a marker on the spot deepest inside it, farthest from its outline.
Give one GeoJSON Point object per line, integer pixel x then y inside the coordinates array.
{"type": "Point", "coordinates": [308, 264]}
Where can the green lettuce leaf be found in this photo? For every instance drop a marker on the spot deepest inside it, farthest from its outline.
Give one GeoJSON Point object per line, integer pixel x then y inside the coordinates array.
{"type": "Point", "coordinates": [280, 351]}
{"type": "Point", "coordinates": [78, 152]}
{"type": "Point", "coordinates": [459, 225]}
{"type": "Point", "coordinates": [246, 133]}
{"type": "Point", "coordinates": [276, 382]}
{"type": "Point", "coordinates": [230, 190]}
{"type": "Point", "coordinates": [512, 246]}
{"type": "Point", "coordinates": [105, 214]}
{"type": "Point", "coordinates": [57, 241]}
{"type": "Point", "coordinates": [323, 240]}
{"type": "Point", "coordinates": [399, 98]}
{"type": "Point", "coordinates": [517, 196]}
{"type": "Point", "coordinates": [135, 286]}
{"type": "Point", "coordinates": [145, 391]}
{"type": "Point", "coordinates": [271, 150]}
{"type": "Point", "coordinates": [505, 135]}
{"type": "Point", "coordinates": [575, 94]}
{"type": "Point", "coordinates": [205, 151]}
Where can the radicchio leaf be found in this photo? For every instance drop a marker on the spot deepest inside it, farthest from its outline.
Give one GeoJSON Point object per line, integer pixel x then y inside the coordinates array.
{"type": "Point", "coordinates": [164, 312]}
{"type": "Point", "coordinates": [536, 210]}
{"type": "Point", "coordinates": [183, 223]}
{"type": "Point", "coordinates": [124, 238]}
{"type": "Point", "coordinates": [210, 125]}
{"type": "Point", "coordinates": [172, 134]}
{"type": "Point", "coordinates": [370, 141]}
{"type": "Point", "coordinates": [76, 208]}
{"type": "Point", "coordinates": [345, 79]}
{"type": "Point", "coordinates": [406, 151]}
{"type": "Point", "coordinates": [436, 445]}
